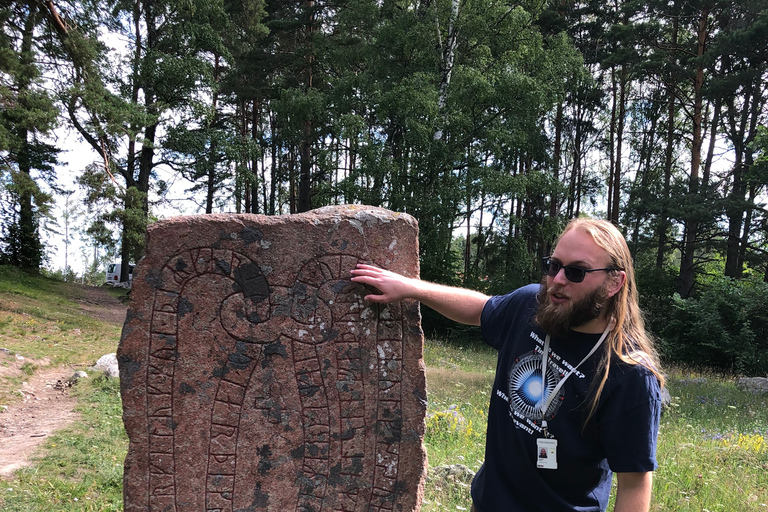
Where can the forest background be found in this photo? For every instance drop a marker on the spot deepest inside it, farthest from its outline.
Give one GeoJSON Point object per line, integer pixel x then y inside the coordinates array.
{"type": "Point", "coordinates": [492, 122]}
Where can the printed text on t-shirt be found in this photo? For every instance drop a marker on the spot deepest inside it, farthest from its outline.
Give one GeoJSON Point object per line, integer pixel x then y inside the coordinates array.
{"type": "Point", "coordinates": [556, 359]}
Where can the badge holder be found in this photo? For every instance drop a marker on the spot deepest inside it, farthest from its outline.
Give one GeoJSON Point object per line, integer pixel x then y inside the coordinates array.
{"type": "Point", "coordinates": [547, 453]}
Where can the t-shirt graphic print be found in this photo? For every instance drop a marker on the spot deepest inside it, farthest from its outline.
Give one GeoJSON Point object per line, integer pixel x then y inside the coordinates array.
{"type": "Point", "coordinates": [528, 390]}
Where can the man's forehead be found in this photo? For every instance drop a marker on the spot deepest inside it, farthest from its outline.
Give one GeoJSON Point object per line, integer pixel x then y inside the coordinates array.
{"type": "Point", "coordinates": [578, 248]}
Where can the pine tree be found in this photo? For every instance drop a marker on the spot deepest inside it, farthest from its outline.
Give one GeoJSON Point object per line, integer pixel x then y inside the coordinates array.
{"type": "Point", "coordinates": [28, 115]}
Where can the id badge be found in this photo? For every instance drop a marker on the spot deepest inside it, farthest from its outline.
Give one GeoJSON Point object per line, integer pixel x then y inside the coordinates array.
{"type": "Point", "coordinates": [547, 453]}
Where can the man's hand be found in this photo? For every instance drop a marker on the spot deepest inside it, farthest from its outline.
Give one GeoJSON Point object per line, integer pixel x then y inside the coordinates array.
{"type": "Point", "coordinates": [393, 287]}
{"type": "Point", "coordinates": [458, 304]}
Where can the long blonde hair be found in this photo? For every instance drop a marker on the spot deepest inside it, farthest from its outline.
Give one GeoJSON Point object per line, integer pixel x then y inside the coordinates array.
{"type": "Point", "coordinates": [628, 340]}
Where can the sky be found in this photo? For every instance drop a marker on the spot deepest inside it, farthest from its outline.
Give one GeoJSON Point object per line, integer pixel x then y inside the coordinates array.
{"type": "Point", "coordinates": [76, 155]}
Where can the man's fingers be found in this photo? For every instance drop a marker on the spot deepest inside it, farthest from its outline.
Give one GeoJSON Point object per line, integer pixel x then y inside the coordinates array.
{"type": "Point", "coordinates": [363, 274]}
{"type": "Point", "coordinates": [366, 271]}
{"type": "Point", "coordinates": [366, 275]}
{"type": "Point", "coordinates": [390, 285]}
{"type": "Point", "coordinates": [365, 280]}
{"type": "Point", "coordinates": [375, 298]}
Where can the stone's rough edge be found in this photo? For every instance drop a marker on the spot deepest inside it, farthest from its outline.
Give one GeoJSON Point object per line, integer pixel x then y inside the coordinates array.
{"type": "Point", "coordinates": [413, 341]}
{"type": "Point", "coordinates": [362, 214]}
{"type": "Point", "coordinates": [329, 212]}
{"type": "Point", "coordinates": [366, 216]}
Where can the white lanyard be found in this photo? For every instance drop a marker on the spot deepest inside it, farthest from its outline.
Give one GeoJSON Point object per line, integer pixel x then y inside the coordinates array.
{"type": "Point", "coordinates": [548, 399]}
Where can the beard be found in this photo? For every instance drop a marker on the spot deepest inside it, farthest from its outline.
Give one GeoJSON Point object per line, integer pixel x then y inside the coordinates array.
{"type": "Point", "coordinates": [558, 319]}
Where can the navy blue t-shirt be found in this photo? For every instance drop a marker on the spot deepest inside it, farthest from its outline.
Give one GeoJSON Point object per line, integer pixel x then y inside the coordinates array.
{"type": "Point", "coordinates": [619, 437]}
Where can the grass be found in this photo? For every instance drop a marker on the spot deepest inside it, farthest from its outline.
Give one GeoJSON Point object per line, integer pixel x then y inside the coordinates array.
{"type": "Point", "coordinates": [81, 467]}
{"type": "Point", "coordinates": [459, 379]}
{"type": "Point", "coordinates": [713, 445]}
{"type": "Point", "coordinates": [713, 448]}
{"type": "Point", "coordinates": [713, 441]}
{"type": "Point", "coordinates": [41, 319]}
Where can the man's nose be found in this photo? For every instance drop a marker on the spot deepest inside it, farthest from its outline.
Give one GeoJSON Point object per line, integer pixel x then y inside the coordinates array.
{"type": "Point", "coordinates": [560, 277]}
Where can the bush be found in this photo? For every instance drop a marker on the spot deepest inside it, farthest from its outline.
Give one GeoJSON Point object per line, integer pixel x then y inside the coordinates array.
{"type": "Point", "coordinates": [656, 288]}
{"type": "Point", "coordinates": [725, 327]}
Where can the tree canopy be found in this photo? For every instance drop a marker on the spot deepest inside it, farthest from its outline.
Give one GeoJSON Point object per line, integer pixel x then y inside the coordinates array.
{"type": "Point", "coordinates": [492, 122]}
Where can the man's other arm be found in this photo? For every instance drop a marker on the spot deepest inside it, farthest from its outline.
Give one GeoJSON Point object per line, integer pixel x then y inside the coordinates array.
{"type": "Point", "coordinates": [633, 492]}
{"type": "Point", "coordinates": [458, 304]}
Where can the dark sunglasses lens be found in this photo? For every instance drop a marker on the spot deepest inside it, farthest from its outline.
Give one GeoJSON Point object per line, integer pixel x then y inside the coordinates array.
{"type": "Point", "coordinates": [574, 274]}
{"type": "Point", "coordinates": [550, 267]}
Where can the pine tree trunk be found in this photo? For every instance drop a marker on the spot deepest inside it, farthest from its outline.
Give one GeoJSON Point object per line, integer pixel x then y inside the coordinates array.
{"type": "Point", "coordinates": [687, 269]}
{"type": "Point", "coordinates": [663, 225]}
{"type": "Point", "coordinates": [29, 249]}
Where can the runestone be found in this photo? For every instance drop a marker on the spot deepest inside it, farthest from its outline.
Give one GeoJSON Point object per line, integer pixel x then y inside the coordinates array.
{"type": "Point", "coordinates": [254, 377]}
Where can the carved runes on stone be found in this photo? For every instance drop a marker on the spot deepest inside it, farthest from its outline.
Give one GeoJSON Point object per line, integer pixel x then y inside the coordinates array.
{"type": "Point", "coordinates": [254, 376]}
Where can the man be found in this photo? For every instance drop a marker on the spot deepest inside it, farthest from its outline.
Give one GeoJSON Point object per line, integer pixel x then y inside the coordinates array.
{"type": "Point", "coordinates": [577, 390]}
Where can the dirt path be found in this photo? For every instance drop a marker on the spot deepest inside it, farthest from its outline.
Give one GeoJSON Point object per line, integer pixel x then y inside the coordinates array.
{"type": "Point", "coordinates": [46, 405]}
{"type": "Point", "coordinates": [45, 408]}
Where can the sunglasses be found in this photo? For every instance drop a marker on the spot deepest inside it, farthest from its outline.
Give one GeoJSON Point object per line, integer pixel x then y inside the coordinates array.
{"type": "Point", "coordinates": [573, 273]}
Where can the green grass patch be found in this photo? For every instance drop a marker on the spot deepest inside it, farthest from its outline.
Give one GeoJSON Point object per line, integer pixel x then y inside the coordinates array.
{"type": "Point", "coordinates": [713, 448]}
{"type": "Point", "coordinates": [459, 380]}
{"type": "Point", "coordinates": [28, 369]}
{"type": "Point", "coordinates": [713, 443]}
{"type": "Point", "coordinates": [40, 318]}
{"type": "Point", "coordinates": [14, 281]}
{"type": "Point", "coordinates": [82, 466]}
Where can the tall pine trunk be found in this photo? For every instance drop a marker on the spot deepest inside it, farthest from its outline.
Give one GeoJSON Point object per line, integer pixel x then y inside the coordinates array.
{"type": "Point", "coordinates": [29, 256]}
{"type": "Point", "coordinates": [687, 269]}
{"type": "Point", "coordinates": [617, 168]}
{"type": "Point", "coordinates": [305, 152]}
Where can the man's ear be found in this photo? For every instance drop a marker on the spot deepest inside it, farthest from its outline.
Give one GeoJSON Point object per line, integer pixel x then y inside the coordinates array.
{"type": "Point", "coordinates": [617, 280]}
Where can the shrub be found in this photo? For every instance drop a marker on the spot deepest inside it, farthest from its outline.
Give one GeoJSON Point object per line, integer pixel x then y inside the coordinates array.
{"type": "Point", "coordinates": [725, 327]}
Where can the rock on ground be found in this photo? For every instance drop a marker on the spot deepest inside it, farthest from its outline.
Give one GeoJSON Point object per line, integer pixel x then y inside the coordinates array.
{"type": "Point", "coordinates": [756, 385]}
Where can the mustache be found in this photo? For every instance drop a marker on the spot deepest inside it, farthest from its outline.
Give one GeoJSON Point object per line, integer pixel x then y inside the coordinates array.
{"type": "Point", "coordinates": [557, 290]}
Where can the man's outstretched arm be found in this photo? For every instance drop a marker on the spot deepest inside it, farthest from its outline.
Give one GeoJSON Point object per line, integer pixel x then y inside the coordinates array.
{"type": "Point", "coordinates": [633, 492]}
{"type": "Point", "coordinates": [458, 304]}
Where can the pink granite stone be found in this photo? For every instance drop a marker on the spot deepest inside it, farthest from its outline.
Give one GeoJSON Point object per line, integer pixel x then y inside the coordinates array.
{"type": "Point", "coordinates": [255, 378]}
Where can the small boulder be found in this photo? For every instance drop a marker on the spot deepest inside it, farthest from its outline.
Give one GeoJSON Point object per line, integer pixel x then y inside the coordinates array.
{"type": "Point", "coordinates": [72, 380]}
{"type": "Point", "coordinates": [106, 360]}
{"type": "Point", "coordinates": [107, 364]}
{"type": "Point", "coordinates": [113, 372]}
{"type": "Point", "coordinates": [451, 474]}
{"type": "Point", "coordinates": [756, 385]}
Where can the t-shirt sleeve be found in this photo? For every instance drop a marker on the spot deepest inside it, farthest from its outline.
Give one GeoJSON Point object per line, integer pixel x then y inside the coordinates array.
{"type": "Point", "coordinates": [501, 312]}
{"type": "Point", "coordinates": [629, 422]}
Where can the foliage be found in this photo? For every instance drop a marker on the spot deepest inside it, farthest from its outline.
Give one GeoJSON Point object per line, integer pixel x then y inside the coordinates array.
{"type": "Point", "coordinates": [28, 116]}
{"type": "Point", "coordinates": [725, 327]}
{"type": "Point", "coordinates": [496, 120]}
